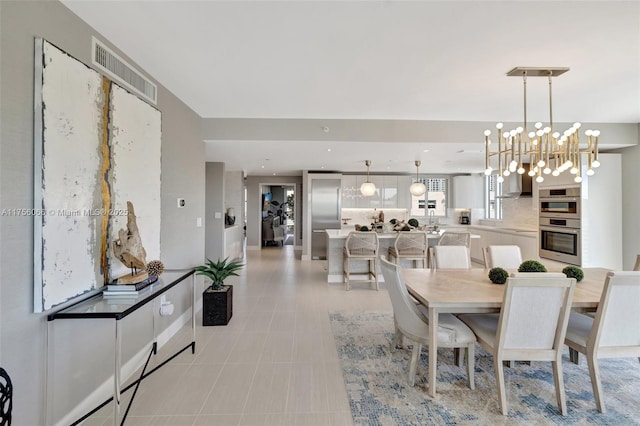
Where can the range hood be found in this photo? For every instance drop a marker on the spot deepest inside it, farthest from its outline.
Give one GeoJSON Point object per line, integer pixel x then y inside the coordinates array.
{"type": "Point", "coordinates": [518, 186]}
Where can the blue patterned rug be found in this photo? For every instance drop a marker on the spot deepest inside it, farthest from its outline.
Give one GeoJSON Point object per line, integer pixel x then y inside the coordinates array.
{"type": "Point", "coordinates": [379, 393]}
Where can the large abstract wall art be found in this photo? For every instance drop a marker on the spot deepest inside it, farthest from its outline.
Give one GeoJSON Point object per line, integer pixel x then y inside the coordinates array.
{"type": "Point", "coordinates": [97, 146]}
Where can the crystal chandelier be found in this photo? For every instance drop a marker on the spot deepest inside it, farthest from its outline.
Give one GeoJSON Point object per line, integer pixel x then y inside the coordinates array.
{"type": "Point", "coordinates": [547, 151]}
{"type": "Point", "coordinates": [417, 188]}
{"type": "Point", "coordinates": [368, 188]}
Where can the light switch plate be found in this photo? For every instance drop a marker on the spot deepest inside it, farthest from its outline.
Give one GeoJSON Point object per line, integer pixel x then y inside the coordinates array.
{"type": "Point", "coordinates": [218, 215]}
{"type": "Point", "coordinates": [199, 222]}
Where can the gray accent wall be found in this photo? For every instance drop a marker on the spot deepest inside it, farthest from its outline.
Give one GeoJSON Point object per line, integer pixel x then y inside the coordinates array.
{"type": "Point", "coordinates": [82, 349]}
{"type": "Point", "coordinates": [630, 204]}
{"type": "Point", "coordinates": [215, 176]}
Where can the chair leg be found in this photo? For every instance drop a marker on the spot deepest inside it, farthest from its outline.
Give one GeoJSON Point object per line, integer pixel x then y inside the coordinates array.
{"type": "Point", "coordinates": [458, 356]}
{"type": "Point", "coordinates": [346, 276]}
{"type": "Point", "coordinates": [594, 372]}
{"type": "Point", "coordinates": [375, 273]}
{"type": "Point", "coordinates": [559, 382]}
{"type": "Point", "coordinates": [413, 365]}
{"type": "Point", "coordinates": [397, 340]}
{"type": "Point", "coordinates": [502, 394]}
{"type": "Point", "coordinates": [471, 360]}
{"type": "Point", "coordinates": [574, 356]}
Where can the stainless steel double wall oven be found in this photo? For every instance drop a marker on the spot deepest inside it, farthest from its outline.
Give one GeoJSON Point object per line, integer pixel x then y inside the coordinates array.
{"type": "Point", "coordinates": [560, 236]}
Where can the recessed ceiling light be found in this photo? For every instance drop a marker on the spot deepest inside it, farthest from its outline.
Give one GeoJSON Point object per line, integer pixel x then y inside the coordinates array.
{"type": "Point", "coordinates": [328, 149]}
{"type": "Point", "coordinates": [262, 167]}
{"type": "Point", "coordinates": [322, 167]}
{"type": "Point", "coordinates": [425, 150]}
{"type": "Point", "coordinates": [325, 129]}
{"type": "Point", "coordinates": [274, 173]}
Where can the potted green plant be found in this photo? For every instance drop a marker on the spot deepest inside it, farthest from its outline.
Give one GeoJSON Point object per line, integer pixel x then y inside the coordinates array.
{"type": "Point", "coordinates": [573, 272]}
{"type": "Point", "coordinates": [217, 299]}
{"type": "Point", "coordinates": [498, 275]}
{"type": "Point", "coordinates": [531, 266]}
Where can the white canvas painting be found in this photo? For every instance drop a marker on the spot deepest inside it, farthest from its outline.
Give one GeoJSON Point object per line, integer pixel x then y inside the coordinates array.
{"type": "Point", "coordinates": [135, 151]}
{"type": "Point", "coordinates": [67, 253]}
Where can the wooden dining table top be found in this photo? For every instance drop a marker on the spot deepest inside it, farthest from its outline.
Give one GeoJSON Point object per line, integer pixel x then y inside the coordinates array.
{"type": "Point", "coordinates": [455, 290]}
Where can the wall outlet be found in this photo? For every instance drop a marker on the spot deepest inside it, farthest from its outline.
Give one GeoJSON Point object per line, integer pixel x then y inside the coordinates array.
{"type": "Point", "coordinates": [217, 215]}
{"type": "Point", "coordinates": [181, 203]}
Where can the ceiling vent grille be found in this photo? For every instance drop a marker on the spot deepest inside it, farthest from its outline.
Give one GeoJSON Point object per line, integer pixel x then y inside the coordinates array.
{"type": "Point", "coordinates": [112, 65]}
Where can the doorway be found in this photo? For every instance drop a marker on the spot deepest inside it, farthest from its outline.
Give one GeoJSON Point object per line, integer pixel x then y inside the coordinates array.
{"type": "Point", "coordinates": [278, 219]}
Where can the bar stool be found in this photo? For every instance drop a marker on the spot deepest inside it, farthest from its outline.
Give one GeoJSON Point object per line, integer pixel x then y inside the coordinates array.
{"type": "Point", "coordinates": [361, 246]}
{"type": "Point", "coordinates": [412, 245]}
{"type": "Point", "coordinates": [455, 239]}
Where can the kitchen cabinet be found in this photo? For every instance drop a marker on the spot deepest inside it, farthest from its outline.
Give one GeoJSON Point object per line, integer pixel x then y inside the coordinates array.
{"type": "Point", "coordinates": [468, 192]}
{"type": "Point", "coordinates": [600, 211]}
{"type": "Point", "coordinates": [349, 191]}
{"type": "Point", "coordinates": [374, 201]}
{"type": "Point", "coordinates": [390, 192]}
{"type": "Point", "coordinates": [476, 245]}
{"type": "Point", "coordinates": [527, 241]}
{"type": "Point", "coordinates": [404, 196]}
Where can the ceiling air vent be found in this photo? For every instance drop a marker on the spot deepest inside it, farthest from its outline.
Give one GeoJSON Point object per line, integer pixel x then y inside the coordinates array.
{"type": "Point", "coordinates": [112, 65]}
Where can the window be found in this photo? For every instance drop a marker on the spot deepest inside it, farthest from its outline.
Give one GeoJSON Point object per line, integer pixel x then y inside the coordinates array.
{"type": "Point", "coordinates": [434, 201]}
{"type": "Point", "coordinates": [493, 202]}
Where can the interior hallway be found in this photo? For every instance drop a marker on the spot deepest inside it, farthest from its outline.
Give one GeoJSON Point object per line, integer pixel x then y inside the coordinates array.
{"type": "Point", "coordinates": [275, 363]}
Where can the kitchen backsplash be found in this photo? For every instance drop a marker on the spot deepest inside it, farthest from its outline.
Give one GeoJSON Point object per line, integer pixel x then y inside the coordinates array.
{"type": "Point", "coordinates": [520, 212]}
{"type": "Point", "coordinates": [365, 216]}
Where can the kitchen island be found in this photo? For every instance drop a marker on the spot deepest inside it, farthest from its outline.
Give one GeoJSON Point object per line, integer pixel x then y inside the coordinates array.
{"type": "Point", "coordinates": [335, 246]}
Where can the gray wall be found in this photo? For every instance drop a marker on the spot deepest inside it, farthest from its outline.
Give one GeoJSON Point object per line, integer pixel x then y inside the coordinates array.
{"type": "Point", "coordinates": [254, 206]}
{"type": "Point", "coordinates": [234, 194]}
{"type": "Point", "coordinates": [22, 333]}
{"type": "Point", "coordinates": [214, 243]}
{"type": "Point", "coordinates": [630, 204]}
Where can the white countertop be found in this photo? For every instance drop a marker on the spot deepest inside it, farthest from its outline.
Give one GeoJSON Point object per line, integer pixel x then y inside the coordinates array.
{"type": "Point", "coordinates": [342, 234]}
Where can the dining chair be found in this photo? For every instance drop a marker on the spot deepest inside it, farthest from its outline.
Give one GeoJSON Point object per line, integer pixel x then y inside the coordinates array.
{"type": "Point", "coordinates": [413, 325]}
{"type": "Point", "coordinates": [412, 246]}
{"type": "Point", "coordinates": [361, 246]}
{"type": "Point", "coordinates": [455, 239]}
{"type": "Point", "coordinates": [613, 333]}
{"type": "Point", "coordinates": [6, 398]}
{"type": "Point", "coordinates": [636, 267]}
{"type": "Point", "coordinates": [530, 327]}
{"type": "Point", "coordinates": [450, 257]}
{"type": "Point", "coordinates": [503, 256]}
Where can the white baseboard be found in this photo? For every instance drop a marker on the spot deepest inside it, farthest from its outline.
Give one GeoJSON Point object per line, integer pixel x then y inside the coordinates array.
{"type": "Point", "coordinates": [306, 257]}
{"type": "Point", "coordinates": [105, 390]}
{"type": "Point", "coordinates": [254, 248]}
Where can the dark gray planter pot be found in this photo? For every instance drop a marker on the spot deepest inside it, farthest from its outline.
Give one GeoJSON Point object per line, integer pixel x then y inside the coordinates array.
{"type": "Point", "coordinates": [217, 306]}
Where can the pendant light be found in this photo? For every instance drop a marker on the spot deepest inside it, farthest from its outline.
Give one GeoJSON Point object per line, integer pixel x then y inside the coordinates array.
{"type": "Point", "coordinates": [368, 188]}
{"type": "Point", "coordinates": [417, 188]}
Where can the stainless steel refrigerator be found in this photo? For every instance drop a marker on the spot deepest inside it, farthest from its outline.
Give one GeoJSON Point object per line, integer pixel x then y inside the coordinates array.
{"type": "Point", "coordinates": [325, 213]}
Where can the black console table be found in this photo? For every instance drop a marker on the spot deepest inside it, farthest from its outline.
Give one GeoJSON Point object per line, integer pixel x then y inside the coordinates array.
{"type": "Point", "coordinates": [98, 306]}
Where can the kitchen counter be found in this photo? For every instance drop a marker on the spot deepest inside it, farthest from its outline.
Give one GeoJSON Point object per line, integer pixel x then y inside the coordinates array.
{"type": "Point", "coordinates": [507, 230]}
{"type": "Point", "coordinates": [335, 246]}
{"type": "Point", "coordinates": [342, 234]}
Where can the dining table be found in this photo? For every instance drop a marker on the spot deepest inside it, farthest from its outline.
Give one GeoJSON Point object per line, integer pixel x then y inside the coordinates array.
{"type": "Point", "coordinates": [470, 291]}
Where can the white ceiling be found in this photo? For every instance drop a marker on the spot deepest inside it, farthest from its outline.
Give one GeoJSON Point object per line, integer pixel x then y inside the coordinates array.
{"type": "Point", "coordinates": [377, 60]}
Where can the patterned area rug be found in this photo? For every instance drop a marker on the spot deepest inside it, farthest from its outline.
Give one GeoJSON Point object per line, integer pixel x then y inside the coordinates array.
{"type": "Point", "coordinates": [379, 393]}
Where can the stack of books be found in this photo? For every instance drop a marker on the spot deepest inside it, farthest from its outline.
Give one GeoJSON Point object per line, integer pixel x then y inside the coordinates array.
{"type": "Point", "coordinates": [127, 290]}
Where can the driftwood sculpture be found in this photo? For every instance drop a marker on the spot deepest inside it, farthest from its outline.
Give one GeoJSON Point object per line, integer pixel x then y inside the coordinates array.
{"type": "Point", "coordinates": [129, 250]}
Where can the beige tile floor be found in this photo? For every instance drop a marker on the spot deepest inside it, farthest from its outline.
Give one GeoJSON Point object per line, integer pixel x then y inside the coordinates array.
{"type": "Point", "coordinates": [275, 363]}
